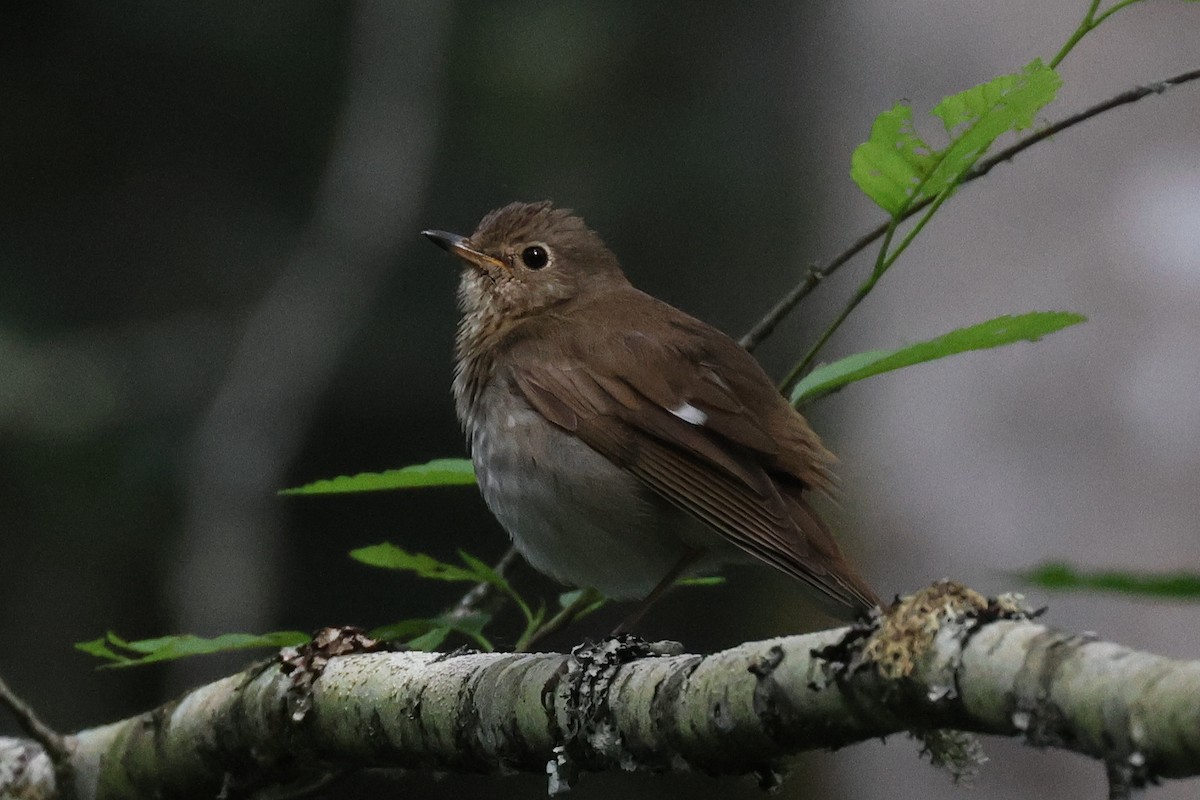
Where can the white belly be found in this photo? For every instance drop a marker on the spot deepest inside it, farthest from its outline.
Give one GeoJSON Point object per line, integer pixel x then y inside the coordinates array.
{"type": "Point", "coordinates": [570, 512]}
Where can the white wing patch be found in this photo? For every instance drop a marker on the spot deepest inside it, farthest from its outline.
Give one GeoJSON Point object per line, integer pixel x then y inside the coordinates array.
{"type": "Point", "coordinates": [690, 414]}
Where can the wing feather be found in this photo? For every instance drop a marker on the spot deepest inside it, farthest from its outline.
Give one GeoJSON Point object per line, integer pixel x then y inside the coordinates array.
{"type": "Point", "coordinates": [719, 471]}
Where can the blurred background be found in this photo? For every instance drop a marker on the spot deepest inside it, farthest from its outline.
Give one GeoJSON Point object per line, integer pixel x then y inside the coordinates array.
{"type": "Point", "coordinates": [213, 288]}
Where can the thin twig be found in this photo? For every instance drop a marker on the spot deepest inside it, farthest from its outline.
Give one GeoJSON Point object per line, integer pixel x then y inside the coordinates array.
{"type": "Point", "coordinates": [50, 740]}
{"type": "Point", "coordinates": [484, 594]}
{"type": "Point", "coordinates": [29, 721]}
{"type": "Point", "coordinates": [815, 274]}
{"type": "Point", "coordinates": [586, 599]}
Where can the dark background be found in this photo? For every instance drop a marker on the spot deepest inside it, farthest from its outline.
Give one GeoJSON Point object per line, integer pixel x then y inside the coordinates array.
{"type": "Point", "coordinates": [212, 287]}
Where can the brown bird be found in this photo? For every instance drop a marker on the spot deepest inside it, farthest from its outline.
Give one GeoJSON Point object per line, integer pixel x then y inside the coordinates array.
{"type": "Point", "coordinates": [619, 441]}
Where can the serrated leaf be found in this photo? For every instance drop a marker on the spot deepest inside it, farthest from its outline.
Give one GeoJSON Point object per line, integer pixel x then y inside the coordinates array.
{"type": "Point", "coordinates": [389, 556]}
{"type": "Point", "coordinates": [429, 633]}
{"type": "Point", "coordinates": [404, 629]}
{"type": "Point", "coordinates": [993, 333]}
{"type": "Point", "coordinates": [471, 624]}
{"type": "Point", "coordinates": [100, 649]}
{"type": "Point", "coordinates": [430, 640]}
{"type": "Point", "coordinates": [484, 572]}
{"type": "Point", "coordinates": [978, 116]}
{"type": "Point", "coordinates": [896, 168]}
{"type": "Point", "coordinates": [1063, 577]}
{"type": "Point", "coordinates": [889, 166]}
{"type": "Point", "coordinates": [439, 472]}
{"type": "Point", "coordinates": [169, 648]}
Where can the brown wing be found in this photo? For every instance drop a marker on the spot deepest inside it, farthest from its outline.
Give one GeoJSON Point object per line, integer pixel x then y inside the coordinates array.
{"type": "Point", "coordinates": [675, 415]}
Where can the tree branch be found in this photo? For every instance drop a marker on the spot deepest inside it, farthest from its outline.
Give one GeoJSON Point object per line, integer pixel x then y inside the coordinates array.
{"type": "Point", "coordinates": [943, 659]}
{"type": "Point", "coordinates": [818, 272]}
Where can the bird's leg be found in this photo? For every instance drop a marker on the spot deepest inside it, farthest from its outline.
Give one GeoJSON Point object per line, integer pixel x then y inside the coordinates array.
{"type": "Point", "coordinates": [689, 558]}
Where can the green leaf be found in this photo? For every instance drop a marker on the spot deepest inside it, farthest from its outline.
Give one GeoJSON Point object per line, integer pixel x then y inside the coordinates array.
{"type": "Point", "coordinates": [889, 166]}
{"type": "Point", "coordinates": [564, 600]}
{"type": "Point", "coordinates": [169, 648]}
{"type": "Point", "coordinates": [439, 472]}
{"type": "Point", "coordinates": [993, 333]}
{"type": "Point", "coordinates": [430, 640]}
{"type": "Point", "coordinates": [389, 556]}
{"type": "Point", "coordinates": [1063, 577]}
{"type": "Point", "coordinates": [701, 580]}
{"type": "Point", "coordinates": [429, 633]}
{"type": "Point", "coordinates": [980, 115]}
{"type": "Point", "coordinates": [896, 168]}
{"type": "Point", "coordinates": [404, 629]}
{"type": "Point", "coordinates": [100, 649]}
{"type": "Point", "coordinates": [470, 624]}
{"type": "Point", "coordinates": [484, 572]}
{"type": "Point", "coordinates": [589, 600]}
{"type": "Point", "coordinates": [488, 575]}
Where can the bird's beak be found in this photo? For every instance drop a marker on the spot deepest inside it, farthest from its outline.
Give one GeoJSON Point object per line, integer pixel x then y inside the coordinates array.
{"type": "Point", "coordinates": [461, 246]}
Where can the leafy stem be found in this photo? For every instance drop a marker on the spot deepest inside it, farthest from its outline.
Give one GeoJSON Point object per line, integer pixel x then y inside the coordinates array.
{"type": "Point", "coordinates": [584, 602]}
{"type": "Point", "coordinates": [902, 174]}
{"type": "Point", "coordinates": [883, 262]}
{"type": "Point", "coordinates": [818, 272]}
{"type": "Point", "coordinates": [1088, 24]}
{"type": "Point", "coordinates": [863, 290]}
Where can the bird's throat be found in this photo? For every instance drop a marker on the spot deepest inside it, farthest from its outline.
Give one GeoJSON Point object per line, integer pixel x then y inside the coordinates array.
{"type": "Point", "coordinates": [480, 331]}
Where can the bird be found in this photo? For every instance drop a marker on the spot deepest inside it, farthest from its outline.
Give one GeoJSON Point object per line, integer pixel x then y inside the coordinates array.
{"type": "Point", "coordinates": [622, 443]}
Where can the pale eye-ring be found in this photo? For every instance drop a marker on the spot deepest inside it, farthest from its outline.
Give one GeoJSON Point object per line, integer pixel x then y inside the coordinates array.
{"type": "Point", "coordinates": [535, 256]}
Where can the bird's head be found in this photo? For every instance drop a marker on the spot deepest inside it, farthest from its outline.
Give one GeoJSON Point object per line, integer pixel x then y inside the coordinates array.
{"type": "Point", "coordinates": [525, 258]}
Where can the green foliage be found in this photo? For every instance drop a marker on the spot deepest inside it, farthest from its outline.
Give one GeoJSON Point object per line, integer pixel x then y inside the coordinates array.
{"type": "Point", "coordinates": [123, 653]}
{"type": "Point", "coordinates": [905, 175]}
{"type": "Point", "coordinates": [421, 633]}
{"type": "Point", "coordinates": [898, 169]}
{"type": "Point", "coordinates": [701, 580]}
{"type": "Point", "coordinates": [389, 556]}
{"type": "Point", "coordinates": [439, 472]}
{"type": "Point", "coordinates": [472, 570]}
{"type": "Point", "coordinates": [1092, 19]}
{"type": "Point", "coordinates": [993, 333]}
{"type": "Point", "coordinates": [429, 633]}
{"type": "Point", "coordinates": [581, 602]}
{"type": "Point", "coordinates": [1064, 577]}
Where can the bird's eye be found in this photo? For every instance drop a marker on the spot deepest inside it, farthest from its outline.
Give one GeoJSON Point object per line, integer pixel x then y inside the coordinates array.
{"type": "Point", "coordinates": [535, 256]}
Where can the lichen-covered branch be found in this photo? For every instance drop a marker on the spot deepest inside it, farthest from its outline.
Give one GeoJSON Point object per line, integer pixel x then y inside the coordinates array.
{"type": "Point", "coordinates": [943, 659]}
